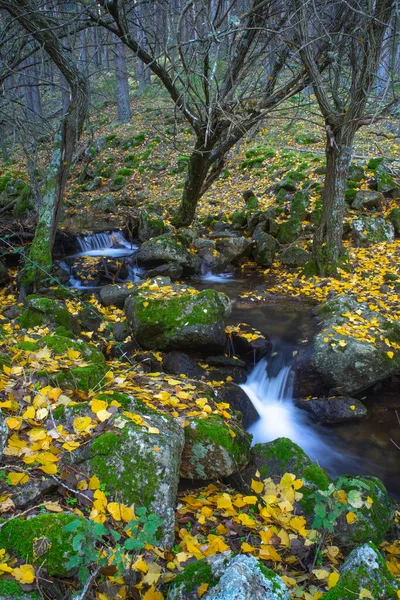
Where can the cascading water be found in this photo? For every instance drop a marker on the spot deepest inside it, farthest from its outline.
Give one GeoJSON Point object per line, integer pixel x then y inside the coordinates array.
{"type": "Point", "coordinates": [107, 243]}
{"type": "Point", "coordinates": [269, 388]}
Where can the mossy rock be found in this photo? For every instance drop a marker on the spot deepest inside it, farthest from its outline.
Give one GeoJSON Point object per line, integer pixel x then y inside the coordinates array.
{"type": "Point", "coordinates": [11, 590]}
{"type": "Point", "coordinates": [184, 321]}
{"type": "Point", "coordinates": [150, 225]}
{"type": "Point", "coordinates": [299, 205]}
{"type": "Point", "coordinates": [163, 249]}
{"type": "Point", "coordinates": [289, 231]}
{"type": "Point", "coordinates": [210, 450]}
{"type": "Point", "coordinates": [277, 458]}
{"type": "Point", "coordinates": [60, 345]}
{"type": "Point", "coordinates": [265, 248]}
{"type": "Point", "coordinates": [80, 378]}
{"type": "Point", "coordinates": [134, 473]}
{"type": "Point", "coordinates": [295, 256]}
{"type": "Point", "coordinates": [364, 568]}
{"type": "Point", "coordinates": [239, 219]}
{"type": "Point", "coordinates": [44, 311]}
{"type": "Point", "coordinates": [18, 535]}
{"type": "Point", "coordinates": [394, 218]}
{"type": "Point", "coordinates": [187, 583]}
{"type": "Point", "coordinates": [368, 231]}
{"type": "Point", "coordinates": [356, 173]}
{"type": "Point", "coordinates": [372, 523]}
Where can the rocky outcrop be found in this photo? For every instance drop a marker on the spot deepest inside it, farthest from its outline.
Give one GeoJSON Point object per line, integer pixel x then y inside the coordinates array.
{"type": "Point", "coordinates": [368, 231]}
{"type": "Point", "coordinates": [335, 409]}
{"type": "Point", "coordinates": [367, 199]}
{"type": "Point", "coordinates": [163, 249]}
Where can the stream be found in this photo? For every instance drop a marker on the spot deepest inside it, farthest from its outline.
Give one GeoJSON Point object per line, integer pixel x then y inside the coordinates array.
{"type": "Point", "coordinates": [369, 446]}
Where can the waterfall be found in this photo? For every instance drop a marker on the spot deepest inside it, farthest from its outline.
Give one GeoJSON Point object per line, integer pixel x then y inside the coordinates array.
{"type": "Point", "coordinates": [269, 388]}
{"type": "Point", "coordinates": [107, 243]}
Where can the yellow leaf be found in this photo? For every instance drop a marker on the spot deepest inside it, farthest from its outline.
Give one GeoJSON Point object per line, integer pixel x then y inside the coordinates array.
{"type": "Point", "coordinates": [364, 593]}
{"type": "Point", "coordinates": [332, 580]}
{"type": "Point", "coordinates": [24, 574]}
{"type": "Point", "coordinates": [14, 422]}
{"type": "Point", "coordinates": [390, 354]}
{"type": "Point", "coordinates": [321, 573]}
{"type": "Point", "coordinates": [97, 405]}
{"type": "Point", "coordinates": [245, 547]}
{"type": "Point", "coordinates": [257, 486]}
{"type": "Point", "coordinates": [201, 590]}
{"type": "Point", "coordinates": [53, 506]}
{"type": "Point", "coordinates": [152, 594]}
{"type": "Point", "coordinates": [103, 415]}
{"type": "Point", "coordinates": [94, 483]}
{"type": "Point", "coordinates": [145, 304]}
{"type": "Point", "coordinates": [153, 430]}
{"type": "Point", "coordinates": [352, 407]}
{"type": "Point", "coordinates": [42, 413]}
{"type": "Point", "coordinates": [82, 423]}
{"type": "Point", "coordinates": [351, 517]}
{"type": "Point", "coordinates": [29, 413]}
{"type": "Point", "coordinates": [50, 469]}
{"type": "Point", "coordinates": [140, 565]}
{"type": "Point", "coordinates": [71, 445]}
{"type": "Point", "coordinates": [15, 478]}
{"type": "Point", "coordinates": [133, 417]}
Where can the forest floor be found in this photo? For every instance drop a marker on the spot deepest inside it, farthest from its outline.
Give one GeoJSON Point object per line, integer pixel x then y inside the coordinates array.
{"type": "Point", "coordinates": [149, 157]}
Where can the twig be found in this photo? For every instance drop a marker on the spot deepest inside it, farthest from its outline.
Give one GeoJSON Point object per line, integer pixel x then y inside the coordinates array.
{"type": "Point", "coordinates": [88, 584]}
{"type": "Point", "coordinates": [20, 514]}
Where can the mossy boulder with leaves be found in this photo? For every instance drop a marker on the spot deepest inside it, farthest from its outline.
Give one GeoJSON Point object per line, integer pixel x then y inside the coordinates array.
{"type": "Point", "coordinates": [265, 248]}
{"type": "Point", "coordinates": [368, 231]}
{"type": "Point", "coordinates": [183, 319]}
{"type": "Point", "coordinates": [213, 448]}
{"type": "Point", "coordinates": [349, 364]}
{"type": "Point", "coordinates": [165, 249]}
{"type": "Point", "coordinates": [41, 540]}
{"type": "Point", "coordinates": [364, 574]}
{"type": "Point", "coordinates": [11, 590]}
{"type": "Point", "coordinates": [44, 311]}
{"type": "Point", "coordinates": [294, 256]}
{"type": "Point", "coordinates": [150, 226]}
{"type": "Point", "coordinates": [289, 231]}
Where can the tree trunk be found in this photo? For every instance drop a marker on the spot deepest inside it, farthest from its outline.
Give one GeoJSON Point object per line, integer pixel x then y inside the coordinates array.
{"type": "Point", "coordinates": [197, 171]}
{"type": "Point", "coordinates": [121, 73]}
{"type": "Point", "coordinates": [327, 245]}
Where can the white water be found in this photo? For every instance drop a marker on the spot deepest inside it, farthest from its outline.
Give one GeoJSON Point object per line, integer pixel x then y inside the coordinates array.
{"type": "Point", "coordinates": [271, 396]}
{"type": "Point", "coordinates": [105, 244]}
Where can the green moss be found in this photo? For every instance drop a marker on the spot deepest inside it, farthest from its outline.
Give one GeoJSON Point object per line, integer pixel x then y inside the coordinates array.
{"type": "Point", "coordinates": [215, 431]}
{"type": "Point", "coordinates": [10, 590]}
{"type": "Point", "coordinates": [125, 172]}
{"type": "Point", "coordinates": [126, 474]}
{"type": "Point", "coordinates": [80, 378]}
{"type": "Point", "coordinates": [17, 537]}
{"type": "Point", "coordinates": [60, 345]}
{"type": "Point", "coordinates": [28, 346]}
{"type": "Point", "coordinates": [193, 576]}
{"type": "Point", "coordinates": [41, 310]}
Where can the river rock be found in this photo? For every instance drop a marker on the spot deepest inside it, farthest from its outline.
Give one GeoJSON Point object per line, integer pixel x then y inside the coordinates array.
{"type": "Point", "coordinates": [368, 231]}
{"type": "Point", "coordinates": [163, 249]}
{"type": "Point", "coordinates": [289, 231]}
{"type": "Point", "coordinates": [208, 570]}
{"type": "Point", "coordinates": [115, 294]}
{"type": "Point", "coordinates": [265, 248]}
{"type": "Point", "coordinates": [299, 205]}
{"type": "Point", "coordinates": [179, 363]}
{"type": "Point", "coordinates": [356, 173]}
{"type": "Point", "coordinates": [249, 344]}
{"type": "Point", "coordinates": [213, 262]}
{"type": "Point", "coordinates": [371, 524]}
{"type": "Point", "coordinates": [3, 433]}
{"type": "Point", "coordinates": [210, 452]}
{"type": "Point", "coordinates": [232, 394]}
{"type": "Point", "coordinates": [367, 199]}
{"type": "Point", "coordinates": [336, 409]}
{"type": "Point", "coordinates": [178, 318]}
{"type": "Point", "coordinates": [235, 249]}
{"type": "Point", "coordinates": [125, 461]}
{"type": "Point", "coordinates": [364, 569]}
{"type": "Point", "coordinates": [150, 226]}
{"type": "Point", "coordinates": [294, 256]}
{"type": "Point", "coordinates": [204, 244]}
{"type": "Point", "coordinates": [246, 578]}
{"type": "Point", "coordinates": [394, 218]}
{"type": "Point", "coordinates": [39, 311]}
{"type": "Point", "coordinates": [172, 270]}
{"type": "Point", "coordinates": [347, 364]}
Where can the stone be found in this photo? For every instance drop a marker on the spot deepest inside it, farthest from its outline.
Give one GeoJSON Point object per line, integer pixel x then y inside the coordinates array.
{"type": "Point", "coordinates": [172, 270]}
{"type": "Point", "coordinates": [204, 244]}
{"type": "Point", "coordinates": [11, 590]}
{"type": "Point", "coordinates": [356, 173]}
{"type": "Point", "coordinates": [238, 400]}
{"type": "Point", "coordinates": [208, 570]}
{"type": "Point", "coordinates": [364, 569]}
{"type": "Point", "coordinates": [372, 523]}
{"type": "Point", "coordinates": [294, 256]}
{"type": "Point", "coordinates": [150, 225]}
{"type": "Point", "coordinates": [124, 460]}
{"type": "Point", "coordinates": [235, 374]}
{"type": "Point", "coordinates": [264, 251]}
{"type": "Point", "coordinates": [183, 319]}
{"type": "Point", "coordinates": [210, 452]}
{"type": "Point", "coordinates": [44, 311]}
{"type": "Point", "coordinates": [96, 183]}
{"type": "Point", "coordinates": [3, 433]}
{"type": "Point", "coordinates": [179, 363]}
{"type": "Point", "coordinates": [245, 578]}
{"type": "Point", "coordinates": [226, 361]}
{"type": "Point", "coordinates": [346, 364]}
{"type": "Point", "coordinates": [148, 362]}
{"type": "Point", "coordinates": [105, 204]}
{"type": "Point", "coordinates": [235, 249]}
{"type": "Point", "coordinates": [163, 249]}
{"type": "Point", "coordinates": [299, 205]}
{"type": "Point", "coordinates": [115, 294]}
{"type": "Point", "coordinates": [335, 409]}
{"type": "Point", "coordinates": [394, 218]}
{"type": "Point", "coordinates": [367, 199]}
{"type": "Point", "coordinates": [4, 276]}
{"type": "Point", "coordinates": [286, 184]}
{"type": "Point", "coordinates": [368, 231]}
{"type": "Point", "coordinates": [249, 350]}
{"type": "Point", "coordinates": [289, 231]}
{"type": "Point", "coordinates": [213, 262]}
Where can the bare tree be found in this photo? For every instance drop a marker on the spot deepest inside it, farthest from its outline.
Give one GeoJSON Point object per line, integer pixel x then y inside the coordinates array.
{"type": "Point", "coordinates": [342, 92]}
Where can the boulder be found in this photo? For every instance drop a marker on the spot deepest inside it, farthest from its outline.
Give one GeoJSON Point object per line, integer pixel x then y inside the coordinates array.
{"type": "Point", "coordinates": [208, 570]}
{"type": "Point", "coordinates": [115, 294]}
{"type": "Point", "coordinates": [264, 251]}
{"type": "Point", "coordinates": [105, 204]}
{"type": "Point", "coordinates": [172, 270]}
{"type": "Point", "coordinates": [210, 451]}
{"type": "Point", "coordinates": [163, 249]}
{"type": "Point", "coordinates": [234, 249]}
{"type": "Point", "coordinates": [3, 433]}
{"type": "Point", "coordinates": [213, 262]}
{"type": "Point", "coordinates": [268, 220]}
{"type": "Point", "coordinates": [95, 184]}
{"type": "Point", "coordinates": [367, 199]}
{"type": "Point", "coordinates": [294, 256]}
{"type": "Point", "coordinates": [299, 205]}
{"type": "Point", "coordinates": [150, 225]}
{"type": "Point", "coordinates": [364, 569]}
{"type": "Point", "coordinates": [44, 311]}
{"type": "Point", "coordinates": [232, 394]}
{"type": "Point", "coordinates": [347, 364]}
{"type": "Point", "coordinates": [179, 363]}
{"type": "Point", "coordinates": [133, 472]}
{"type": "Point", "coordinates": [335, 409]}
{"type": "Point", "coordinates": [356, 173]}
{"type": "Point", "coordinates": [204, 244]}
{"type": "Point", "coordinates": [245, 578]}
{"type": "Point", "coordinates": [394, 218]}
{"type": "Point", "coordinates": [4, 275]}
{"type": "Point", "coordinates": [289, 231]}
{"type": "Point", "coordinates": [368, 231]}
{"type": "Point", "coordinates": [178, 318]}
{"type": "Point", "coordinates": [11, 590]}
{"type": "Point", "coordinates": [249, 344]}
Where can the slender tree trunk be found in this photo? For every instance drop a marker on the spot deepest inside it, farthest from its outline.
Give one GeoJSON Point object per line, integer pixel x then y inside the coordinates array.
{"type": "Point", "coordinates": [327, 245]}
{"type": "Point", "coordinates": [121, 72]}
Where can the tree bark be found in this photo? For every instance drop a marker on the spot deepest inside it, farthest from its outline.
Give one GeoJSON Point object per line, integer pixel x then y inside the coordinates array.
{"type": "Point", "coordinates": [121, 73]}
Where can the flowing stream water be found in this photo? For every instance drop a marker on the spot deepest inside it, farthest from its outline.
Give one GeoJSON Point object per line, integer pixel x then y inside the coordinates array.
{"type": "Point", "coordinates": [369, 446]}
